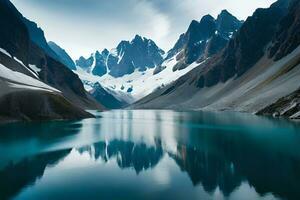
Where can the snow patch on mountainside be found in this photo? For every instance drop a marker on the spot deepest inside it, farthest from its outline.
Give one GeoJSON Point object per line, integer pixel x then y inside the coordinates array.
{"type": "Point", "coordinates": [5, 52]}
{"type": "Point", "coordinates": [19, 80]}
{"type": "Point", "coordinates": [35, 68]}
{"type": "Point", "coordinates": [29, 69]}
{"type": "Point", "coordinates": [138, 84]}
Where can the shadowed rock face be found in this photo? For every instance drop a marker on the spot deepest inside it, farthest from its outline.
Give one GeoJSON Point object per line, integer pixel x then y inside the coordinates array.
{"type": "Point", "coordinates": [100, 63]}
{"type": "Point", "coordinates": [107, 99]}
{"type": "Point", "coordinates": [37, 37]}
{"type": "Point", "coordinates": [249, 44]}
{"type": "Point", "coordinates": [288, 36]}
{"type": "Point", "coordinates": [37, 105]}
{"type": "Point", "coordinates": [204, 39]}
{"type": "Point", "coordinates": [14, 34]}
{"type": "Point", "coordinates": [138, 54]}
{"type": "Point", "coordinates": [62, 55]}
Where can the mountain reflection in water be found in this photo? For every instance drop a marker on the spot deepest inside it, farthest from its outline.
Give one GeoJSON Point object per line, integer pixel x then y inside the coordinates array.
{"type": "Point", "coordinates": [196, 158]}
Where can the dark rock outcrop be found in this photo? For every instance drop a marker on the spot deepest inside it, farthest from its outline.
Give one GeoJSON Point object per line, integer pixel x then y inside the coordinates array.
{"type": "Point", "coordinates": [108, 100]}
{"type": "Point", "coordinates": [287, 107]}
{"type": "Point", "coordinates": [288, 36]}
{"type": "Point", "coordinates": [14, 34]}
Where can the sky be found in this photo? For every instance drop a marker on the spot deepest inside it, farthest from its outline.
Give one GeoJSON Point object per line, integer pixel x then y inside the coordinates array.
{"type": "Point", "coordinates": [83, 26]}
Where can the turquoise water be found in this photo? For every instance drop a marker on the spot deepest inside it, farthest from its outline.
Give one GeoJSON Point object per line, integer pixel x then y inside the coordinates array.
{"type": "Point", "coordinates": [152, 155]}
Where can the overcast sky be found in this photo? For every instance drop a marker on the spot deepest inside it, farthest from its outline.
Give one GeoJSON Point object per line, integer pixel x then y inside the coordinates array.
{"type": "Point", "coordinates": [84, 26]}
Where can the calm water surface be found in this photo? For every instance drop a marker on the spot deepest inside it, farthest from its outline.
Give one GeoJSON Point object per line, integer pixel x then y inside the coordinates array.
{"type": "Point", "coordinates": [152, 155]}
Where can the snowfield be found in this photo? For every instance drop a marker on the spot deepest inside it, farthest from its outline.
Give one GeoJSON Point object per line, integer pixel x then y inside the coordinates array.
{"type": "Point", "coordinates": [138, 84]}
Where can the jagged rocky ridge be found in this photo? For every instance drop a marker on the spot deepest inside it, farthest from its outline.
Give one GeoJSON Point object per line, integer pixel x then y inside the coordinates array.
{"type": "Point", "coordinates": [138, 54]}
{"type": "Point", "coordinates": [30, 71]}
{"type": "Point", "coordinates": [204, 39]}
{"type": "Point", "coordinates": [259, 65]}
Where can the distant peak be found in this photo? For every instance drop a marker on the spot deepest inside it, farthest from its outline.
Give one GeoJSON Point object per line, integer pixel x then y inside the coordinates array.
{"type": "Point", "coordinates": [225, 12]}
{"type": "Point", "coordinates": [137, 37]}
{"type": "Point", "coordinates": [194, 22]}
{"type": "Point", "coordinates": [105, 51]}
{"type": "Point", "coordinates": [207, 18]}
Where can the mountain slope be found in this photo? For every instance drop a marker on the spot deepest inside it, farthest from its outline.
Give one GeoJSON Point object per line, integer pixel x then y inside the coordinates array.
{"type": "Point", "coordinates": [63, 56]}
{"type": "Point", "coordinates": [29, 73]}
{"type": "Point", "coordinates": [243, 77]}
{"type": "Point", "coordinates": [288, 106]}
{"type": "Point", "coordinates": [23, 97]}
{"type": "Point", "coordinates": [53, 72]}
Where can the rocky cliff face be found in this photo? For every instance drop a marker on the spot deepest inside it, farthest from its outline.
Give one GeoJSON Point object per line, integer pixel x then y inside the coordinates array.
{"type": "Point", "coordinates": [63, 56]}
{"type": "Point", "coordinates": [14, 34]}
{"type": "Point", "coordinates": [204, 39]}
{"type": "Point", "coordinates": [37, 36]}
{"type": "Point", "coordinates": [138, 54]}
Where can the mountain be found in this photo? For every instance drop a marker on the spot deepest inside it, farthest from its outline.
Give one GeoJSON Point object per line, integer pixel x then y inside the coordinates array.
{"type": "Point", "coordinates": [63, 56]}
{"type": "Point", "coordinates": [139, 67]}
{"type": "Point", "coordinates": [259, 65]}
{"type": "Point", "coordinates": [121, 70]}
{"type": "Point", "coordinates": [95, 64]}
{"type": "Point", "coordinates": [204, 38]}
{"type": "Point", "coordinates": [138, 54]}
{"type": "Point", "coordinates": [34, 85]}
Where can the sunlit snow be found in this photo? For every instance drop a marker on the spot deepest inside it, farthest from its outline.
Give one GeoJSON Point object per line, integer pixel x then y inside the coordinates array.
{"type": "Point", "coordinates": [142, 83]}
